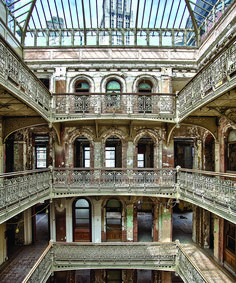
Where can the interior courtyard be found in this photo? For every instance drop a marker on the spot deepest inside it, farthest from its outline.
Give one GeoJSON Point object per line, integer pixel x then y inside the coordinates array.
{"type": "Point", "coordinates": [118, 141]}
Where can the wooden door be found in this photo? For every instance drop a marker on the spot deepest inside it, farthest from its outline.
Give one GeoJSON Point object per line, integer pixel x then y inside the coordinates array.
{"type": "Point", "coordinates": [61, 226]}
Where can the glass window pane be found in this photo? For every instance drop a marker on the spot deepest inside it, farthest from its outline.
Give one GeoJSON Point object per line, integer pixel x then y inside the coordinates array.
{"type": "Point", "coordinates": [110, 163]}
{"type": "Point", "coordinates": [87, 163]}
{"type": "Point", "coordinates": [140, 164]}
{"type": "Point", "coordinates": [82, 213]}
{"type": "Point", "coordinates": [82, 203]}
{"type": "Point", "coordinates": [87, 154]}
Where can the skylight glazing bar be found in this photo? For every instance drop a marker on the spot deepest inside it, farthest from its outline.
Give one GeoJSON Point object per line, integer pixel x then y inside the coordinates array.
{"type": "Point", "coordinates": [207, 3]}
{"type": "Point", "coordinates": [44, 14]}
{"type": "Point", "coordinates": [199, 15]}
{"type": "Point", "coordinates": [143, 13]}
{"type": "Point", "coordinates": [91, 23]}
{"type": "Point", "coordinates": [110, 15]}
{"type": "Point", "coordinates": [182, 16]}
{"type": "Point", "coordinates": [57, 13]}
{"type": "Point", "coordinates": [76, 7]}
{"type": "Point", "coordinates": [158, 5]}
{"type": "Point", "coordinates": [50, 14]}
{"type": "Point", "coordinates": [103, 16]}
{"type": "Point", "coordinates": [21, 7]}
{"type": "Point", "coordinates": [163, 13]}
{"type": "Point", "coordinates": [16, 17]}
{"type": "Point", "coordinates": [170, 13]}
{"type": "Point", "coordinates": [199, 7]}
{"type": "Point", "coordinates": [123, 23]}
{"type": "Point", "coordinates": [97, 11]}
{"type": "Point", "coordinates": [84, 20]}
{"type": "Point", "coordinates": [150, 14]}
{"type": "Point", "coordinates": [136, 22]}
{"type": "Point", "coordinates": [116, 13]}
{"type": "Point", "coordinates": [176, 14]}
{"type": "Point", "coordinates": [13, 3]}
{"type": "Point", "coordinates": [36, 9]}
{"type": "Point", "coordinates": [130, 12]}
{"type": "Point", "coordinates": [34, 22]}
{"type": "Point", "coordinates": [63, 12]}
{"type": "Point", "coordinates": [72, 25]}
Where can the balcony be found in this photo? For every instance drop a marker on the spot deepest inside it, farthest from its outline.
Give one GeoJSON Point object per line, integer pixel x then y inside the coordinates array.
{"type": "Point", "coordinates": [74, 106]}
{"type": "Point", "coordinates": [154, 256]}
{"type": "Point", "coordinates": [215, 192]}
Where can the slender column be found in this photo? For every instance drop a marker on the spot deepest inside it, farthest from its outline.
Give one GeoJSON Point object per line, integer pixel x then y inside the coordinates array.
{"type": "Point", "coordinates": [96, 221]}
{"type": "Point", "coordinates": [206, 228]}
{"type": "Point", "coordinates": [218, 238]}
{"type": "Point", "coordinates": [155, 222]}
{"type": "Point", "coordinates": [217, 156]}
{"type": "Point", "coordinates": [165, 224]}
{"type": "Point", "coordinates": [130, 213]}
{"type": "Point", "coordinates": [97, 154]}
{"type": "Point", "coordinates": [3, 246]}
{"type": "Point", "coordinates": [28, 226]}
{"type": "Point", "coordinates": [52, 222]}
{"type": "Point", "coordinates": [69, 221]}
{"type": "Point", "coordinates": [130, 154]}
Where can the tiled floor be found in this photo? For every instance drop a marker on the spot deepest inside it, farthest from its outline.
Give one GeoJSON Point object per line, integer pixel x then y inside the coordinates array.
{"type": "Point", "coordinates": [16, 269]}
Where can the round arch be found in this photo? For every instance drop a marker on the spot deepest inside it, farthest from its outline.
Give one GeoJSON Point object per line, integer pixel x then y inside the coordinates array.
{"type": "Point", "coordinates": [113, 77]}
{"type": "Point", "coordinates": [84, 78]}
{"type": "Point", "coordinates": [145, 77]}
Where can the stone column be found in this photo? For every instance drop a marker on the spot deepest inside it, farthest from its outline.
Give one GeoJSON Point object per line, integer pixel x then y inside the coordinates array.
{"type": "Point", "coordinates": [130, 213]}
{"type": "Point", "coordinates": [27, 226]}
{"type": "Point", "coordinates": [98, 154]}
{"type": "Point", "coordinates": [206, 228]}
{"type": "Point", "coordinates": [3, 246]}
{"type": "Point", "coordinates": [165, 224]}
{"type": "Point", "coordinates": [194, 233]}
{"type": "Point", "coordinates": [156, 222]}
{"type": "Point", "coordinates": [218, 238]}
{"type": "Point", "coordinates": [217, 156]}
{"type": "Point", "coordinates": [130, 154]}
{"type": "Point", "coordinates": [97, 221]}
{"type": "Point", "coordinates": [69, 221]}
{"type": "Point", "coordinates": [52, 222]}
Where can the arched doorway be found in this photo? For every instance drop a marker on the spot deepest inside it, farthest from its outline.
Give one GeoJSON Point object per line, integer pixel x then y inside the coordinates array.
{"type": "Point", "coordinates": [231, 151]}
{"type": "Point", "coordinates": [113, 220]}
{"type": "Point", "coordinates": [82, 220]}
{"type": "Point", "coordinates": [145, 220]}
{"type": "Point", "coordinates": [209, 153]}
{"type": "Point", "coordinates": [145, 103]}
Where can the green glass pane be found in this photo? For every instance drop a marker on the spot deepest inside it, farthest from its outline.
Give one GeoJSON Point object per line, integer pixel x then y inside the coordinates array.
{"type": "Point", "coordinates": [82, 203]}
{"type": "Point", "coordinates": [113, 203]}
{"type": "Point", "coordinates": [144, 86]}
{"type": "Point", "coordinates": [113, 85]}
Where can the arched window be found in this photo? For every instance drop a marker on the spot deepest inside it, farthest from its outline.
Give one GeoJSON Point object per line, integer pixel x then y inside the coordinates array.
{"type": "Point", "coordinates": [82, 220]}
{"type": "Point", "coordinates": [113, 220]}
{"type": "Point", "coordinates": [113, 152]}
{"type": "Point", "coordinates": [113, 86]}
{"type": "Point", "coordinates": [145, 103]}
{"type": "Point", "coordinates": [145, 86]}
{"type": "Point", "coordinates": [81, 86]}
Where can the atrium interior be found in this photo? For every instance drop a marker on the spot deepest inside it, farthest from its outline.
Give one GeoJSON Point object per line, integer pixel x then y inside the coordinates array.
{"type": "Point", "coordinates": [118, 141]}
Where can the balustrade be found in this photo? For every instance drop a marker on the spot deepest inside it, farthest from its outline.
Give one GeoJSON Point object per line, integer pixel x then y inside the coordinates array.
{"type": "Point", "coordinates": [26, 85]}
{"type": "Point", "coordinates": [212, 191]}
{"type": "Point", "coordinates": [92, 105]}
{"type": "Point", "coordinates": [206, 85]}
{"type": "Point", "coordinates": [154, 256]}
{"type": "Point", "coordinates": [21, 190]}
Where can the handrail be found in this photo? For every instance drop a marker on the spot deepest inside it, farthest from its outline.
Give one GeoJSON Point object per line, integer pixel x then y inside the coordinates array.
{"type": "Point", "coordinates": [36, 265]}
{"type": "Point", "coordinates": [209, 173]}
{"type": "Point", "coordinates": [21, 173]}
{"type": "Point", "coordinates": [115, 93]}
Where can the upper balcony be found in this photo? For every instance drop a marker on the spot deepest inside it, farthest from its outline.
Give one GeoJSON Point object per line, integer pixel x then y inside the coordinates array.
{"type": "Point", "coordinates": [153, 106]}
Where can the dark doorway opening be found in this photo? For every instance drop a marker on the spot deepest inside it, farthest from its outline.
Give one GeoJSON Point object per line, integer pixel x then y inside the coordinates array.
{"type": "Point", "coordinates": [145, 220]}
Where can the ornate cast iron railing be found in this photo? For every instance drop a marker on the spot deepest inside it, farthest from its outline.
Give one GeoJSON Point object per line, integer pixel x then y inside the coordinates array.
{"type": "Point", "coordinates": [42, 268]}
{"type": "Point", "coordinates": [74, 181]}
{"type": "Point", "coordinates": [21, 190]}
{"type": "Point", "coordinates": [187, 269]}
{"type": "Point", "coordinates": [17, 77]}
{"type": "Point", "coordinates": [152, 256]}
{"type": "Point", "coordinates": [210, 82]}
{"type": "Point", "coordinates": [92, 105]}
{"type": "Point", "coordinates": [213, 191]}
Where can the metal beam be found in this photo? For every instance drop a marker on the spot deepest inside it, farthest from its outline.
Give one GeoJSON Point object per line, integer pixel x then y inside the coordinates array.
{"type": "Point", "coordinates": [195, 26]}
{"type": "Point", "coordinates": [24, 29]}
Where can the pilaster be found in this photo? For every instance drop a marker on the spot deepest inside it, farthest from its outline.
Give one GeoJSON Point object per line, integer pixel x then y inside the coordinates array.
{"type": "Point", "coordinates": [28, 226]}
{"type": "Point", "coordinates": [3, 247]}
